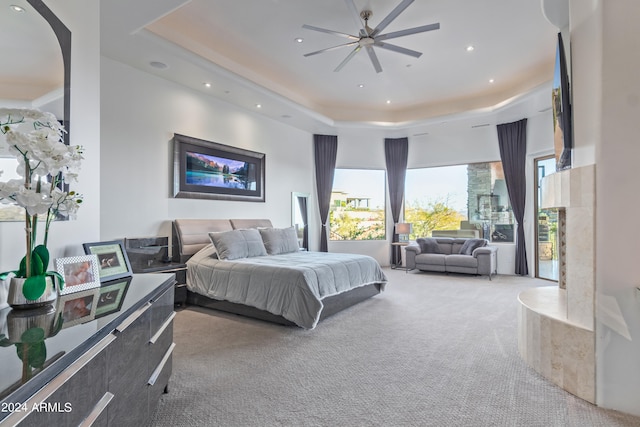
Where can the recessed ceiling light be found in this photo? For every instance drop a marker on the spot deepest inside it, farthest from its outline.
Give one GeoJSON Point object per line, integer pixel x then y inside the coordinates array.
{"type": "Point", "coordinates": [470, 48]}
{"type": "Point", "coordinates": [298, 39]}
{"type": "Point", "coordinates": [360, 85]}
{"type": "Point", "coordinates": [491, 80]}
{"type": "Point", "coordinates": [207, 84]}
{"type": "Point", "coordinates": [16, 8]}
{"type": "Point", "coordinates": [388, 101]}
{"type": "Point", "coordinates": [258, 105]}
{"type": "Point", "coordinates": [159, 65]}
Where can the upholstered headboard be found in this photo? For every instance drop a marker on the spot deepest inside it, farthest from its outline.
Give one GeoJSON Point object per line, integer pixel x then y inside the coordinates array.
{"type": "Point", "coordinates": [191, 235]}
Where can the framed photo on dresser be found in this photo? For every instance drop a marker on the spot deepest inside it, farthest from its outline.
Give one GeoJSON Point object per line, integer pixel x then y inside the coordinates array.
{"type": "Point", "coordinates": [113, 262]}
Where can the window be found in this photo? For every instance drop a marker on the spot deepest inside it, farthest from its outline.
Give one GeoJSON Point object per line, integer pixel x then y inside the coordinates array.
{"type": "Point", "coordinates": [357, 208]}
{"type": "Point", "coordinates": [461, 200]}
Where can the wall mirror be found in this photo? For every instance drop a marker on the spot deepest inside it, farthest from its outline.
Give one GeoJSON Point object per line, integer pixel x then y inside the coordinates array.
{"type": "Point", "coordinates": [35, 74]}
{"type": "Point", "coordinates": [300, 217]}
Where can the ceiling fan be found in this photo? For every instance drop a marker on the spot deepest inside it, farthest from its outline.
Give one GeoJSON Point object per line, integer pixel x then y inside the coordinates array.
{"type": "Point", "coordinates": [369, 37]}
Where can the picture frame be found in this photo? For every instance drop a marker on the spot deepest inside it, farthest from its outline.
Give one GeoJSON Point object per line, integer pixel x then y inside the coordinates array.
{"type": "Point", "coordinates": [77, 308]}
{"type": "Point", "coordinates": [209, 170]}
{"type": "Point", "coordinates": [113, 262]}
{"type": "Point", "coordinates": [111, 296]}
{"type": "Point", "coordinates": [79, 272]}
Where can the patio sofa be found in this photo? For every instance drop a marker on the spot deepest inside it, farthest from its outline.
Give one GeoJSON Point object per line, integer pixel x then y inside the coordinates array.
{"type": "Point", "coordinates": [452, 255]}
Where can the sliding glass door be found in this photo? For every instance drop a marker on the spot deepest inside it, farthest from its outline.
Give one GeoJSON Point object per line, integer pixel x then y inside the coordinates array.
{"type": "Point", "coordinates": [547, 226]}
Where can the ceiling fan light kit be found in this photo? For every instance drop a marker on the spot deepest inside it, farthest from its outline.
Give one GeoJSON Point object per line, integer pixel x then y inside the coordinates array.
{"type": "Point", "coordinates": [369, 38]}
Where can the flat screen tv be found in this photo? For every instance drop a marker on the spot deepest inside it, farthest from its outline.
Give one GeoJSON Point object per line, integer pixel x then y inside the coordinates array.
{"type": "Point", "coordinates": [561, 102]}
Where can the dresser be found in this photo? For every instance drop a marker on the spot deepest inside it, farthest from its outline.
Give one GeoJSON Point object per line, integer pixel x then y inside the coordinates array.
{"type": "Point", "coordinates": [104, 362]}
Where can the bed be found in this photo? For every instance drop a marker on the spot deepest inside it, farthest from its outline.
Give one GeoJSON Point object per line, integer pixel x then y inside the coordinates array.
{"type": "Point", "coordinates": [266, 278]}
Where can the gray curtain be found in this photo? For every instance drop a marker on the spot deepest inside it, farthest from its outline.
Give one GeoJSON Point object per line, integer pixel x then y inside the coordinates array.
{"type": "Point", "coordinates": [325, 150]}
{"type": "Point", "coordinates": [512, 140]}
{"type": "Point", "coordinates": [396, 152]}
{"type": "Point", "coordinates": [302, 203]}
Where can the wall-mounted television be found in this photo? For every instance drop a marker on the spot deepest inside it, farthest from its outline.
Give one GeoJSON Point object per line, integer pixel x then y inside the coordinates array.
{"type": "Point", "coordinates": [561, 102]}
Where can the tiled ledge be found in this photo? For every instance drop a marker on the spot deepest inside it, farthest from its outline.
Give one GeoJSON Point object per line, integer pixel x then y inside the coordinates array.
{"type": "Point", "coordinates": [561, 351]}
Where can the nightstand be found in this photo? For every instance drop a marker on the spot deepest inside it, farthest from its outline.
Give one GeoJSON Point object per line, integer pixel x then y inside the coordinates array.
{"type": "Point", "coordinates": [150, 255]}
{"type": "Point", "coordinates": [396, 256]}
{"type": "Point", "coordinates": [180, 270]}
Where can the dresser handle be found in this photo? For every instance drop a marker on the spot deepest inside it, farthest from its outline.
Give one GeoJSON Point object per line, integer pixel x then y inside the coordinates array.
{"type": "Point", "coordinates": [164, 326]}
{"type": "Point", "coordinates": [45, 392]}
{"type": "Point", "coordinates": [97, 410]}
{"type": "Point", "coordinates": [133, 317]}
{"type": "Point", "coordinates": [160, 367]}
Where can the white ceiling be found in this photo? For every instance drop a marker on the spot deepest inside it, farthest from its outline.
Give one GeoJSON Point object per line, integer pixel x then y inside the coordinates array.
{"type": "Point", "coordinates": [246, 49]}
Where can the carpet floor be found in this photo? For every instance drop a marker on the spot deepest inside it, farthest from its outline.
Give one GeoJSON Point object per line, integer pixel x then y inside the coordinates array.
{"type": "Point", "coordinates": [432, 350]}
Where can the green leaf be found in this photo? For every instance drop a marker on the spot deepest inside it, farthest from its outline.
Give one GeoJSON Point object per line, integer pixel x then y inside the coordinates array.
{"type": "Point", "coordinates": [38, 354]}
{"type": "Point", "coordinates": [37, 264]}
{"type": "Point", "coordinates": [22, 271]}
{"type": "Point", "coordinates": [43, 252]}
{"type": "Point", "coordinates": [55, 275]}
{"type": "Point", "coordinates": [34, 287]}
{"type": "Point", "coordinates": [33, 335]}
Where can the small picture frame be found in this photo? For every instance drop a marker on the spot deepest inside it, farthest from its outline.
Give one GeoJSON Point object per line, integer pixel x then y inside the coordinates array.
{"type": "Point", "coordinates": [113, 262]}
{"type": "Point", "coordinates": [80, 273]}
{"type": "Point", "coordinates": [111, 296]}
{"type": "Point", "coordinates": [79, 307]}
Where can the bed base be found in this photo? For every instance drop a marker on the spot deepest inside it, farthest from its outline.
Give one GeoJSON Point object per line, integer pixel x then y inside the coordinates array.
{"type": "Point", "coordinates": [332, 304]}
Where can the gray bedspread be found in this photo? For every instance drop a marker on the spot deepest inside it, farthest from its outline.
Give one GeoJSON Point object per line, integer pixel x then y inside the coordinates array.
{"type": "Point", "coordinates": [289, 285]}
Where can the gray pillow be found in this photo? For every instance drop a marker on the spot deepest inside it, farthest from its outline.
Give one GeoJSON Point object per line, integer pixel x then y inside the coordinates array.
{"type": "Point", "coordinates": [237, 244]}
{"type": "Point", "coordinates": [279, 240]}
{"type": "Point", "coordinates": [428, 245]}
{"type": "Point", "coordinates": [470, 245]}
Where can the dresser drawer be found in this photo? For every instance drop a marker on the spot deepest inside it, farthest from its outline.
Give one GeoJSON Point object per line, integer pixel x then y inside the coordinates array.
{"type": "Point", "coordinates": [161, 310]}
{"type": "Point", "coordinates": [71, 397]}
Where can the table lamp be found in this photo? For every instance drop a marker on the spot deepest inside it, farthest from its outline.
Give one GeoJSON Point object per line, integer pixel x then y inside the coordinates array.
{"type": "Point", "coordinates": [403, 229]}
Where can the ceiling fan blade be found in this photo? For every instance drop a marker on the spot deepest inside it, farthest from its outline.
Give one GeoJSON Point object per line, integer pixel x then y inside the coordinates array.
{"type": "Point", "coordinates": [374, 59]}
{"type": "Point", "coordinates": [356, 16]}
{"type": "Point", "coordinates": [330, 49]}
{"type": "Point", "coordinates": [408, 31]}
{"type": "Point", "coordinates": [390, 17]}
{"type": "Point", "coordinates": [398, 49]}
{"type": "Point", "coordinates": [335, 33]}
{"type": "Point", "coordinates": [348, 58]}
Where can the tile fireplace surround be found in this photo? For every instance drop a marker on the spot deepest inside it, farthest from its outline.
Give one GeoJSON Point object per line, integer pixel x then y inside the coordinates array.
{"type": "Point", "coordinates": [555, 325]}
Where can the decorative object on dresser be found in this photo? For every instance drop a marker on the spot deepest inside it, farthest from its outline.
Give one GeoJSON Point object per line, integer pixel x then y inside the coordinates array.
{"type": "Point", "coordinates": [208, 170]}
{"type": "Point", "coordinates": [108, 372]}
{"type": "Point", "coordinates": [80, 273]}
{"type": "Point", "coordinates": [113, 262]}
{"type": "Point", "coordinates": [151, 255]}
{"type": "Point", "coordinates": [35, 138]}
{"type": "Point", "coordinates": [288, 286]}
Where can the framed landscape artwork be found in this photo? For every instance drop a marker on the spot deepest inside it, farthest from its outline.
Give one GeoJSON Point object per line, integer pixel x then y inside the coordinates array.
{"type": "Point", "coordinates": [208, 170]}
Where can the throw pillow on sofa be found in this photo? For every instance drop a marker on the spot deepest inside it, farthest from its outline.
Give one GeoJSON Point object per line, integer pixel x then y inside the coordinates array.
{"type": "Point", "coordinates": [470, 245]}
{"type": "Point", "coordinates": [428, 245]}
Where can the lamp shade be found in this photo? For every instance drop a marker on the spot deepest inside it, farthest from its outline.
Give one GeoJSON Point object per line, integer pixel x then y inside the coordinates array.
{"type": "Point", "coordinates": [403, 228]}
